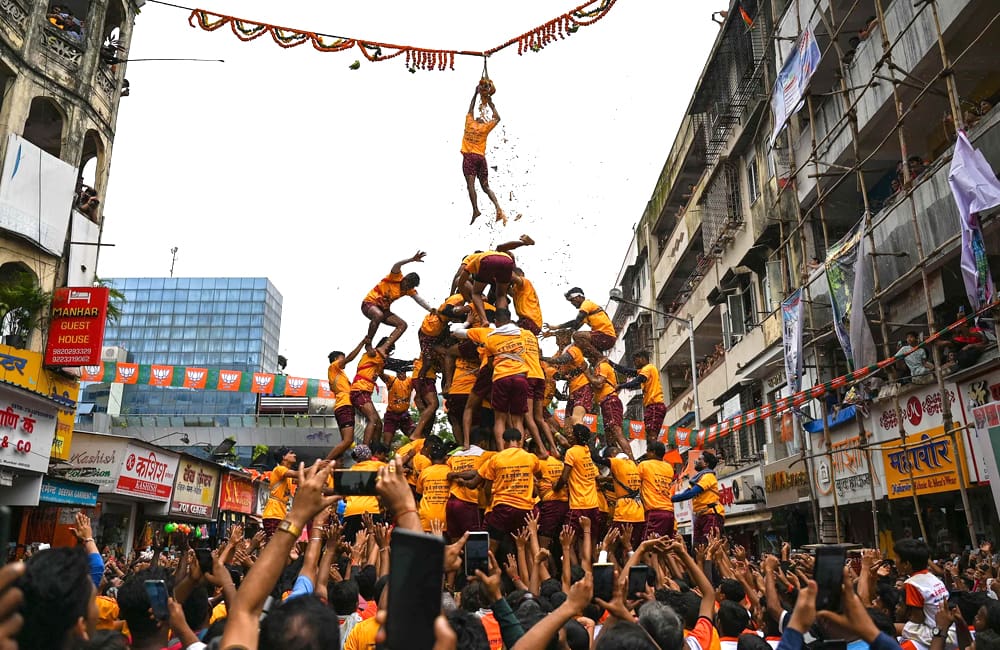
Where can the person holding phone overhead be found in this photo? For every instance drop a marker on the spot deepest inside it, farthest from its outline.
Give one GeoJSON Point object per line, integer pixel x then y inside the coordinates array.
{"type": "Point", "coordinates": [367, 458]}
{"type": "Point", "coordinates": [281, 489]}
{"type": "Point", "coordinates": [704, 496]}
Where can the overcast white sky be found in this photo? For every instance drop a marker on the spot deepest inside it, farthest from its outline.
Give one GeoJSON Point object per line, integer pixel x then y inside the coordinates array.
{"type": "Point", "coordinates": [287, 164]}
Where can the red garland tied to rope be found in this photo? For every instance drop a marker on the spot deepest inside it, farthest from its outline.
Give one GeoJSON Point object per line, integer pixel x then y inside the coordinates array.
{"type": "Point", "coordinates": [416, 58]}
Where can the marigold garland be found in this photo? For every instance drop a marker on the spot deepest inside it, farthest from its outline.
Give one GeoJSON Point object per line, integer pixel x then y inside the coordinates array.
{"type": "Point", "coordinates": [417, 58]}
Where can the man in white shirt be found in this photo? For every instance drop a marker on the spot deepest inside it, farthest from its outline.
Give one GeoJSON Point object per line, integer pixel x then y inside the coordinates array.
{"type": "Point", "coordinates": [924, 592]}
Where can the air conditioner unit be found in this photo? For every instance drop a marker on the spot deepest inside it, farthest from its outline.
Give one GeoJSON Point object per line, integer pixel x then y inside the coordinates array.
{"type": "Point", "coordinates": [110, 353]}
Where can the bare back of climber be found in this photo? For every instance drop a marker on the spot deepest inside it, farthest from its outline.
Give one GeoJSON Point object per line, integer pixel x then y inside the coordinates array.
{"type": "Point", "coordinates": [474, 166]}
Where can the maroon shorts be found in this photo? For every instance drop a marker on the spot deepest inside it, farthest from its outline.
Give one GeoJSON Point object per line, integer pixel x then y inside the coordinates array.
{"type": "Point", "coordinates": [638, 530]}
{"type": "Point", "coordinates": [468, 350]}
{"type": "Point", "coordinates": [510, 395]}
{"type": "Point", "coordinates": [705, 523]}
{"type": "Point", "coordinates": [536, 388]}
{"type": "Point", "coordinates": [461, 517]}
{"type": "Point", "coordinates": [455, 403]}
{"type": "Point", "coordinates": [526, 323]}
{"type": "Point", "coordinates": [573, 519]}
{"type": "Point", "coordinates": [270, 525]}
{"type": "Point", "coordinates": [613, 412]}
{"type": "Point", "coordinates": [484, 380]}
{"type": "Point", "coordinates": [366, 308]}
{"type": "Point", "coordinates": [427, 344]}
{"type": "Point", "coordinates": [425, 385]}
{"type": "Point", "coordinates": [582, 397]}
{"type": "Point", "coordinates": [660, 523]}
{"type": "Point", "coordinates": [345, 417]}
{"type": "Point", "coordinates": [505, 520]}
{"type": "Point", "coordinates": [496, 268]}
{"type": "Point", "coordinates": [602, 341]}
{"type": "Point", "coordinates": [474, 164]}
{"type": "Point", "coordinates": [551, 517]}
{"type": "Point", "coordinates": [395, 421]}
{"type": "Point", "coordinates": [652, 417]}
{"type": "Point", "coordinates": [359, 398]}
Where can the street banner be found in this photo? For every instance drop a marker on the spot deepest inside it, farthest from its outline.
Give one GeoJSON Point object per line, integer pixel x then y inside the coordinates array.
{"type": "Point", "coordinates": [975, 188]}
{"type": "Point", "coordinates": [792, 81]}
{"type": "Point", "coordinates": [791, 337]}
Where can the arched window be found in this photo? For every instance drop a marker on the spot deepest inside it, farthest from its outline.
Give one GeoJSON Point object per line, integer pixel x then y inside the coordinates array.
{"type": "Point", "coordinates": [91, 164]}
{"type": "Point", "coordinates": [21, 303]}
{"type": "Point", "coordinates": [44, 126]}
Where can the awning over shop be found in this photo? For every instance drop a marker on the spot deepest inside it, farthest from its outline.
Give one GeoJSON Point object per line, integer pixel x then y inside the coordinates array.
{"type": "Point", "coordinates": [842, 416]}
{"type": "Point", "coordinates": [763, 365]}
{"type": "Point", "coordinates": [749, 518]}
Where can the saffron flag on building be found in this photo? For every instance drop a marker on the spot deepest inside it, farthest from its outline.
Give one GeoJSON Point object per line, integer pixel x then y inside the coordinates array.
{"type": "Point", "coordinates": [745, 15]}
{"type": "Point", "coordinates": [791, 336]}
{"type": "Point", "coordinates": [792, 81]}
{"type": "Point", "coordinates": [975, 188]}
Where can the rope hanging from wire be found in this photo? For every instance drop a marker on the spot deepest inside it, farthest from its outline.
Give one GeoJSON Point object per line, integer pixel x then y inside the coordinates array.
{"type": "Point", "coordinates": [416, 58]}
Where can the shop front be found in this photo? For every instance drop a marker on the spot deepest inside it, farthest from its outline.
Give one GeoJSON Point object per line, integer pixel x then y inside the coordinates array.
{"type": "Point", "coordinates": [788, 499]}
{"type": "Point", "coordinates": [237, 499]}
{"type": "Point", "coordinates": [194, 498]}
{"type": "Point", "coordinates": [134, 483]}
{"type": "Point", "coordinates": [979, 399]}
{"type": "Point", "coordinates": [50, 522]}
{"type": "Point", "coordinates": [847, 486]}
{"type": "Point", "coordinates": [747, 519]}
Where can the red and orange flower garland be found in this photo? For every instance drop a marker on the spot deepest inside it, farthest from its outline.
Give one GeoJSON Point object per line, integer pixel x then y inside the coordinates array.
{"type": "Point", "coordinates": [416, 57]}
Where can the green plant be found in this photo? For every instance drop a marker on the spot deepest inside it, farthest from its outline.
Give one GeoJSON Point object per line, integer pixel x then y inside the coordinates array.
{"type": "Point", "coordinates": [259, 452]}
{"type": "Point", "coordinates": [22, 302]}
{"type": "Point", "coordinates": [116, 299]}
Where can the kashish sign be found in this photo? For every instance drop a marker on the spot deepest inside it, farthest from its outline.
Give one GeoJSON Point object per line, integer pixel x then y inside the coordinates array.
{"type": "Point", "coordinates": [77, 330]}
{"type": "Point", "coordinates": [147, 473]}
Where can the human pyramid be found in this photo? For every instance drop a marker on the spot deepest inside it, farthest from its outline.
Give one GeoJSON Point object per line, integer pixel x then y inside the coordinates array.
{"type": "Point", "coordinates": [483, 342]}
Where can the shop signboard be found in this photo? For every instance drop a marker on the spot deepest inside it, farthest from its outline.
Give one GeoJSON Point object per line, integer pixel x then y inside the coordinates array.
{"type": "Point", "coordinates": [95, 459]}
{"type": "Point", "coordinates": [929, 458]}
{"type": "Point", "coordinates": [27, 428]}
{"type": "Point", "coordinates": [76, 331]}
{"type": "Point", "coordinates": [979, 400]}
{"type": "Point", "coordinates": [237, 494]}
{"type": "Point", "coordinates": [845, 471]}
{"type": "Point", "coordinates": [147, 473]}
{"type": "Point", "coordinates": [67, 493]}
{"type": "Point", "coordinates": [195, 488]}
{"type": "Point", "coordinates": [786, 482]}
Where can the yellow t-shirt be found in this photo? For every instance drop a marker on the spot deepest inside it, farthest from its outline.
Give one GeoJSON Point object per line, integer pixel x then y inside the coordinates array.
{"type": "Point", "coordinates": [577, 365]}
{"type": "Point", "coordinates": [474, 139]}
{"type": "Point", "coordinates": [471, 262]}
{"type": "Point", "coordinates": [465, 376]}
{"type": "Point", "coordinates": [218, 612]}
{"type": "Point", "coordinates": [277, 502]}
{"type": "Point", "coordinates": [363, 505]}
{"type": "Point", "coordinates": [463, 461]}
{"type": "Point", "coordinates": [339, 384]}
{"type": "Point", "coordinates": [416, 447]}
{"type": "Point", "coordinates": [507, 350]}
{"type": "Point", "coordinates": [369, 367]}
{"type": "Point", "coordinates": [605, 370]}
{"type": "Point", "coordinates": [709, 496]}
{"type": "Point", "coordinates": [582, 478]}
{"type": "Point", "coordinates": [652, 391]}
{"type": "Point", "coordinates": [388, 291]}
{"type": "Point", "coordinates": [398, 400]}
{"type": "Point", "coordinates": [657, 484]}
{"type": "Point", "coordinates": [434, 324]}
{"type": "Point", "coordinates": [362, 635]}
{"type": "Point", "coordinates": [597, 318]}
{"type": "Point", "coordinates": [513, 474]}
{"type": "Point", "coordinates": [532, 355]}
{"type": "Point", "coordinates": [626, 473]}
{"type": "Point", "coordinates": [550, 382]}
{"type": "Point", "coordinates": [434, 487]}
{"type": "Point", "coordinates": [526, 302]}
{"type": "Point", "coordinates": [552, 469]}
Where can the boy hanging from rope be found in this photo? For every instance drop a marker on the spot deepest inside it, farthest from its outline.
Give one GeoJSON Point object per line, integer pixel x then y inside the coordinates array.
{"type": "Point", "coordinates": [477, 129]}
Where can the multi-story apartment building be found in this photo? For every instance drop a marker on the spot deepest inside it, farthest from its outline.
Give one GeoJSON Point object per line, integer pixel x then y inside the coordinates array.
{"type": "Point", "coordinates": [737, 223]}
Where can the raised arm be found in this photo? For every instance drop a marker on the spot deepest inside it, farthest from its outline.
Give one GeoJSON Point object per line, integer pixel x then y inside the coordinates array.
{"type": "Point", "coordinates": [625, 370]}
{"type": "Point", "coordinates": [423, 303]}
{"type": "Point", "coordinates": [701, 581]}
{"type": "Point", "coordinates": [523, 240]}
{"type": "Point", "coordinates": [356, 351]}
{"type": "Point", "coordinates": [472, 104]}
{"type": "Point", "coordinates": [417, 257]}
{"type": "Point", "coordinates": [496, 113]}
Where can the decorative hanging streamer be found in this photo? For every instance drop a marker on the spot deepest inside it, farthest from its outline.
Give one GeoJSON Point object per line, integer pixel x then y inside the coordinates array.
{"type": "Point", "coordinates": [417, 58]}
{"type": "Point", "coordinates": [286, 386]}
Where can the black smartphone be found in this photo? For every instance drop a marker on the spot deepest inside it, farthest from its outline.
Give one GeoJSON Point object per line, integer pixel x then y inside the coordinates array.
{"type": "Point", "coordinates": [350, 483]}
{"type": "Point", "coordinates": [637, 580]}
{"type": "Point", "coordinates": [477, 549]}
{"type": "Point", "coordinates": [204, 556]}
{"type": "Point", "coordinates": [157, 592]}
{"type": "Point", "coordinates": [604, 581]}
{"type": "Point", "coordinates": [829, 574]}
{"type": "Point", "coordinates": [417, 561]}
{"type": "Point", "coordinates": [4, 534]}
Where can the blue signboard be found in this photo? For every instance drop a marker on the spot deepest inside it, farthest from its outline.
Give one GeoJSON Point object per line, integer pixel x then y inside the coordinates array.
{"type": "Point", "coordinates": [71, 494]}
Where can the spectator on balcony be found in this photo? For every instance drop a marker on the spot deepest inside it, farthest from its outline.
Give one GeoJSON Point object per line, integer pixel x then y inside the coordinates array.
{"type": "Point", "coordinates": [61, 17]}
{"type": "Point", "coordinates": [866, 30]}
{"type": "Point", "coordinates": [968, 344]}
{"type": "Point", "coordinates": [87, 202]}
{"type": "Point", "coordinates": [916, 360]}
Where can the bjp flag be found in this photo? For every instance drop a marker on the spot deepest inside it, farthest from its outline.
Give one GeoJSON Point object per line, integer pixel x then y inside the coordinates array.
{"type": "Point", "coordinates": [229, 380]}
{"type": "Point", "coordinates": [161, 375]}
{"type": "Point", "coordinates": [92, 373]}
{"type": "Point", "coordinates": [263, 382]}
{"type": "Point", "coordinates": [324, 390]}
{"type": "Point", "coordinates": [636, 429]}
{"type": "Point", "coordinates": [195, 378]}
{"type": "Point", "coordinates": [295, 386]}
{"type": "Point", "coordinates": [591, 422]}
{"type": "Point", "coordinates": [126, 373]}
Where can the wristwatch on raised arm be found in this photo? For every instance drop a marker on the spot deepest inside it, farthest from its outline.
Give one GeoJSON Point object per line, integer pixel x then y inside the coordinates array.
{"type": "Point", "coordinates": [290, 528]}
{"type": "Point", "coordinates": [937, 633]}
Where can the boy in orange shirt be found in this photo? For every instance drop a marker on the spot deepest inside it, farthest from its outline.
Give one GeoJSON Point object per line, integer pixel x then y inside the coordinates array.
{"type": "Point", "coordinates": [340, 386]}
{"type": "Point", "coordinates": [580, 474]}
{"type": "Point", "coordinates": [474, 166]}
{"type": "Point", "coordinates": [391, 288]}
{"type": "Point", "coordinates": [434, 487]}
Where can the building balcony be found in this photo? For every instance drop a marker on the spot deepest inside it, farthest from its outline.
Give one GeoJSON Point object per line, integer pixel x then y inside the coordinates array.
{"type": "Point", "coordinates": [61, 47]}
{"type": "Point", "coordinates": [13, 20]}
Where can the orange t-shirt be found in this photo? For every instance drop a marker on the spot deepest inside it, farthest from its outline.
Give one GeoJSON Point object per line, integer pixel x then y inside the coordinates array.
{"type": "Point", "coordinates": [526, 302]}
{"type": "Point", "coordinates": [513, 474]}
{"type": "Point", "coordinates": [434, 324]}
{"type": "Point", "coordinates": [399, 394]}
{"type": "Point", "coordinates": [465, 376]}
{"type": "Point", "coordinates": [626, 473]}
{"type": "Point", "coordinates": [577, 365]}
{"type": "Point", "coordinates": [597, 318]}
{"type": "Point", "coordinates": [532, 355]}
{"type": "Point", "coordinates": [652, 390]}
{"type": "Point", "coordinates": [474, 140]}
{"type": "Point", "coordinates": [550, 382]}
{"type": "Point", "coordinates": [605, 370]}
{"type": "Point", "coordinates": [657, 484]}
{"type": "Point", "coordinates": [507, 350]}
{"type": "Point", "coordinates": [369, 367]}
{"type": "Point", "coordinates": [463, 461]}
{"type": "Point", "coordinates": [361, 505]}
{"type": "Point", "coordinates": [388, 291]}
{"type": "Point", "coordinates": [582, 478]}
{"type": "Point", "coordinates": [434, 487]}
{"type": "Point", "coordinates": [552, 469]}
{"type": "Point", "coordinates": [339, 384]}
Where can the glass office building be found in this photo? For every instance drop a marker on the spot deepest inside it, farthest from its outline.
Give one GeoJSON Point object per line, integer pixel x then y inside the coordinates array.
{"type": "Point", "coordinates": [228, 323]}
